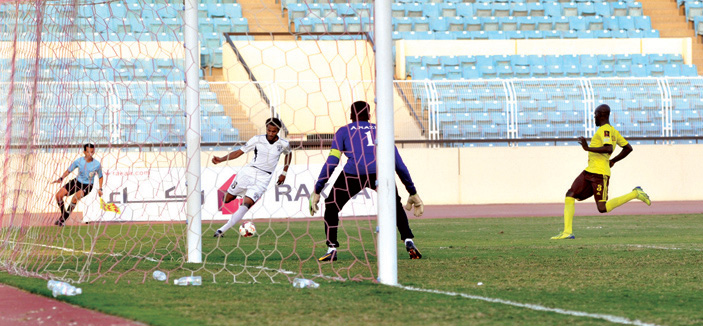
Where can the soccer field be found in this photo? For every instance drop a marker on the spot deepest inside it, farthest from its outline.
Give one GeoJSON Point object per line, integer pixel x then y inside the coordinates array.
{"type": "Point", "coordinates": [624, 269]}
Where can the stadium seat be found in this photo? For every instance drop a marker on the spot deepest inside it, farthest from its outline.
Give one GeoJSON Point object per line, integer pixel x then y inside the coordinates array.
{"type": "Point", "coordinates": [618, 8]}
{"type": "Point", "coordinates": [448, 10]}
{"type": "Point", "coordinates": [518, 9]}
{"type": "Point", "coordinates": [536, 9]}
{"type": "Point", "coordinates": [552, 9]}
{"type": "Point", "coordinates": [456, 24]}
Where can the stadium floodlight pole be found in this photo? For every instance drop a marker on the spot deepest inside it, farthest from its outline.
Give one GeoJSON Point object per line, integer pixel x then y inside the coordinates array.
{"type": "Point", "coordinates": [194, 201]}
{"type": "Point", "coordinates": [385, 151]}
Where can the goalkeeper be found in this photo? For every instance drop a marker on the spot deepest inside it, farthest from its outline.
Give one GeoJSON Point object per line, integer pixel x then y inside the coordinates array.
{"type": "Point", "coordinates": [88, 167]}
{"type": "Point", "coordinates": [357, 141]}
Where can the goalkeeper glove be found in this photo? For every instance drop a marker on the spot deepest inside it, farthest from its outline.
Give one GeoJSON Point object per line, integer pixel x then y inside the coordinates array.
{"type": "Point", "coordinates": [416, 202]}
{"type": "Point", "coordinates": [314, 200]}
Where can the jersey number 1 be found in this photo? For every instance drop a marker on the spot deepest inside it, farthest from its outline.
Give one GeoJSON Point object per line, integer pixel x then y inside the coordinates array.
{"type": "Point", "coordinates": [368, 137]}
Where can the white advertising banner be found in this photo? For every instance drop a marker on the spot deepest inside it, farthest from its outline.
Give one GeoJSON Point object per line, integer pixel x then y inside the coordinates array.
{"type": "Point", "coordinates": [159, 194]}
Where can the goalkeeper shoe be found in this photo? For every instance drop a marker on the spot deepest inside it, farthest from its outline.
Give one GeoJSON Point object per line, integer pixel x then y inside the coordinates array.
{"type": "Point", "coordinates": [412, 250]}
{"type": "Point", "coordinates": [218, 234]}
{"type": "Point", "coordinates": [563, 235]}
{"type": "Point", "coordinates": [641, 195]}
{"type": "Point", "coordinates": [331, 255]}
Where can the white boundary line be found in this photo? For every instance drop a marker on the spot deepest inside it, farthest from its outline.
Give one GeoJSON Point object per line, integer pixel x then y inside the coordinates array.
{"type": "Point", "coordinates": [144, 257]}
{"type": "Point", "coordinates": [610, 318]}
{"type": "Point", "coordinates": [662, 247]}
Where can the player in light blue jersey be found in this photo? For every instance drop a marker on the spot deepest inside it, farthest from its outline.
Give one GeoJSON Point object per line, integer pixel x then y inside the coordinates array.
{"type": "Point", "coordinates": [357, 141]}
{"type": "Point", "coordinates": [88, 167]}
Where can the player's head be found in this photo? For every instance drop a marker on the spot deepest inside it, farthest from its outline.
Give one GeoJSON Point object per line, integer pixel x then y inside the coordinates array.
{"type": "Point", "coordinates": [273, 126]}
{"type": "Point", "coordinates": [602, 115]}
{"type": "Point", "coordinates": [360, 111]}
{"type": "Point", "coordinates": [89, 150]}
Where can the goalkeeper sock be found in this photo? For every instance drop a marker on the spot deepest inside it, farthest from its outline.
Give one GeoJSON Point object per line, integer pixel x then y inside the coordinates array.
{"type": "Point", "coordinates": [62, 206]}
{"type": "Point", "coordinates": [331, 249]}
{"type": "Point", "coordinates": [569, 209]}
{"type": "Point", "coordinates": [617, 202]}
{"type": "Point", "coordinates": [68, 211]}
{"type": "Point", "coordinates": [236, 217]}
{"type": "Point", "coordinates": [408, 240]}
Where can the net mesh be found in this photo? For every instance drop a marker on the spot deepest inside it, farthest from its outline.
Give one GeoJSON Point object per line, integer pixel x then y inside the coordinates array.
{"type": "Point", "coordinates": [112, 74]}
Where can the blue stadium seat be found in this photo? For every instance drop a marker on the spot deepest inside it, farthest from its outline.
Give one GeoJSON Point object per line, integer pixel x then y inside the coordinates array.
{"type": "Point", "coordinates": [544, 23]}
{"type": "Point", "coordinates": [577, 23]}
{"type": "Point", "coordinates": [626, 22]}
{"type": "Point", "coordinates": [456, 24]}
{"type": "Point", "coordinates": [473, 24]}
{"type": "Point", "coordinates": [518, 9]}
{"type": "Point", "coordinates": [439, 24]}
{"type": "Point", "coordinates": [643, 23]}
{"type": "Point", "coordinates": [527, 23]}
{"type": "Point", "coordinates": [552, 9]}
{"type": "Point", "coordinates": [618, 8]}
{"type": "Point", "coordinates": [536, 9]}
{"type": "Point", "coordinates": [586, 9]}
{"type": "Point", "coordinates": [689, 71]}
{"type": "Point", "coordinates": [448, 9]}
{"type": "Point", "coordinates": [569, 9]}
{"type": "Point", "coordinates": [603, 9]}
{"type": "Point", "coordinates": [507, 23]}
{"type": "Point", "coordinates": [465, 10]}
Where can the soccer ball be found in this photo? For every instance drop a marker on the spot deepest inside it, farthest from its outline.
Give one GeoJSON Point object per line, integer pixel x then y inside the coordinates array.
{"type": "Point", "coordinates": [247, 229]}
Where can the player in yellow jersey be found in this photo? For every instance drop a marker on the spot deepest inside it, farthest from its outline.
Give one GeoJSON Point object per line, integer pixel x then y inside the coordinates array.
{"type": "Point", "coordinates": [595, 179]}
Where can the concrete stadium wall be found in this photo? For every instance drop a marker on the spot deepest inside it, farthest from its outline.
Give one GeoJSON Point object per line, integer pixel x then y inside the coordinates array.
{"type": "Point", "coordinates": [405, 48]}
{"type": "Point", "coordinates": [443, 176]}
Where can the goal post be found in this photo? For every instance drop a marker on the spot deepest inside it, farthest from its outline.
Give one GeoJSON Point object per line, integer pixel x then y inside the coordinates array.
{"type": "Point", "coordinates": [385, 160]}
{"type": "Point", "coordinates": [194, 202]}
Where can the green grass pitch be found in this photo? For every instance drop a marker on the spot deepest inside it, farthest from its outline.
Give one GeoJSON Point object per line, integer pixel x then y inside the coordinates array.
{"type": "Point", "coordinates": [641, 268]}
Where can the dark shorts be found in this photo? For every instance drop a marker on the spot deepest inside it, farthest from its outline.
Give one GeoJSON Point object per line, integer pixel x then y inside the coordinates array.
{"type": "Point", "coordinates": [74, 186]}
{"type": "Point", "coordinates": [589, 184]}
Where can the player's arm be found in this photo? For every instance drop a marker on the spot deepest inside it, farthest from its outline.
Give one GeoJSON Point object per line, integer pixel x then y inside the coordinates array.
{"type": "Point", "coordinates": [231, 156]}
{"type": "Point", "coordinates": [327, 170]}
{"type": "Point", "coordinates": [64, 175]}
{"type": "Point", "coordinates": [286, 163]}
{"type": "Point", "coordinates": [73, 166]}
{"type": "Point", "coordinates": [626, 150]}
{"type": "Point", "coordinates": [605, 149]}
{"type": "Point", "coordinates": [414, 201]}
{"type": "Point", "coordinates": [100, 180]}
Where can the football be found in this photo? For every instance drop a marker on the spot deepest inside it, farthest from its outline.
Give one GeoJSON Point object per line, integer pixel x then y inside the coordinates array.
{"type": "Point", "coordinates": [247, 229]}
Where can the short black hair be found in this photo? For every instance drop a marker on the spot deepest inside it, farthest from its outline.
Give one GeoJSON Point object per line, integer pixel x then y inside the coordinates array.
{"type": "Point", "coordinates": [360, 111]}
{"type": "Point", "coordinates": [88, 145]}
{"type": "Point", "coordinates": [274, 122]}
{"type": "Point", "coordinates": [605, 108]}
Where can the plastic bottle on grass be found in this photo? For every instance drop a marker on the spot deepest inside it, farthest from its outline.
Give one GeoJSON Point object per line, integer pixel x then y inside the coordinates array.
{"type": "Point", "coordinates": [302, 283]}
{"type": "Point", "coordinates": [189, 280]}
{"type": "Point", "coordinates": [159, 276]}
{"type": "Point", "coordinates": [62, 288]}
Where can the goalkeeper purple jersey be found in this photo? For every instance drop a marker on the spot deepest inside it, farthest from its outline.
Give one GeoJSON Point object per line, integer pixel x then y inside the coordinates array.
{"type": "Point", "coordinates": [357, 141]}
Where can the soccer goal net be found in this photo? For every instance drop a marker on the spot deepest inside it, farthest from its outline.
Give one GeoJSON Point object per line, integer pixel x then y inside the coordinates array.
{"type": "Point", "coordinates": [112, 74]}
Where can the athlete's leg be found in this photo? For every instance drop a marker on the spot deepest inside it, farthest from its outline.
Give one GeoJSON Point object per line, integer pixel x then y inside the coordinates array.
{"type": "Point", "coordinates": [60, 195]}
{"type": "Point", "coordinates": [72, 205]}
{"type": "Point", "coordinates": [579, 190]}
{"type": "Point", "coordinates": [247, 203]}
{"type": "Point", "coordinates": [344, 188]}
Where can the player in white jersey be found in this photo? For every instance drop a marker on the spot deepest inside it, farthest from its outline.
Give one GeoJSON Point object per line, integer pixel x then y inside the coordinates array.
{"type": "Point", "coordinates": [252, 180]}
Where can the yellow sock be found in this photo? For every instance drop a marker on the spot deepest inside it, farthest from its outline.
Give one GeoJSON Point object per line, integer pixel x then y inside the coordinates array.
{"type": "Point", "coordinates": [569, 214]}
{"type": "Point", "coordinates": [617, 202]}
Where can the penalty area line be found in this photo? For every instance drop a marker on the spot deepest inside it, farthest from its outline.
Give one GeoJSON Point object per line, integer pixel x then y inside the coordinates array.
{"type": "Point", "coordinates": [536, 307]}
